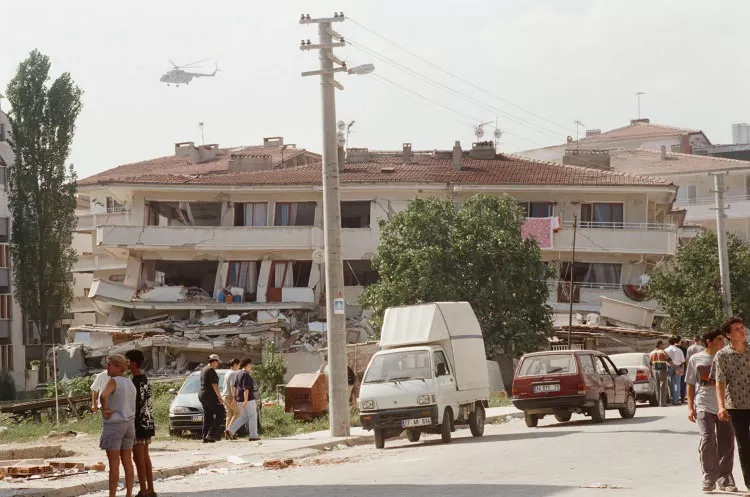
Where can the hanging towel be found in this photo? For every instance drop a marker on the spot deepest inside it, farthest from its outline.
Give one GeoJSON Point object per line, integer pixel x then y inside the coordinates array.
{"type": "Point", "coordinates": [540, 229]}
{"type": "Point", "coordinates": [555, 224]}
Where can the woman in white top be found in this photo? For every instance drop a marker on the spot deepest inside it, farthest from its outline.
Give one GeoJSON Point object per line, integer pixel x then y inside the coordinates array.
{"type": "Point", "coordinates": [118, 427]}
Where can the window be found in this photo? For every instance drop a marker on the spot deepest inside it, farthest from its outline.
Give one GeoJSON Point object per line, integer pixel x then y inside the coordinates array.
{"type": "Point", "coordinates": [6, 306]}
{"type": "Point", "coordinates": [592, 274]}
{"type": "Point", "coordinates": [587, 364]}
{"type": "Point", "coordinates": [355, 214]}
{"type": "Point", "coordinates": [251, 214]}
{"type": "Point", "coordinates": [113, 205]}
{"type": "Point", "coordinates": [601, 367]}
{"type": "Point", "coordinates": [244, 274]}
{"type": "Point", "coordinates": [117, 278]}
{"type": "Point", "coordinates": [359, 273]}
{"type": "Point", "coordinates": [294, 214]}
{"type": "Point", "coordinates": [3, 177]}
{"type": "Point", "coordinates": [439, 358]}
{"type": "Point", "coordinates": [6, 357]}
{"type": "Point", "coordinates": [4, 256]}
{"type": "Point", "coordinates": [287, 274]}
{"type": "Point", "coordinates": [601, 215]}
{"type": "Point", "coordinates": [686, 194]}
{"type": "Point", "coordinates": [537, 209]}
{"type": "Point", "coordinates": [548, 364]}
{"type": "Point", "coordinates": [4, 230]}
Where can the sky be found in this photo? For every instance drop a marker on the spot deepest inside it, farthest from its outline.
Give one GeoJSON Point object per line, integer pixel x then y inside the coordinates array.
{"type": "Point", "coordinates": [536, 66]}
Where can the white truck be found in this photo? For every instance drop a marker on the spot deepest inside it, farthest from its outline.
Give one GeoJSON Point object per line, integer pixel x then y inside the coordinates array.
{"type": "Point", "coordinates": [429, 374]}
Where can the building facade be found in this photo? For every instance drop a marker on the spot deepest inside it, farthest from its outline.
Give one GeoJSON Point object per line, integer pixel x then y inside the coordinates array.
{"type": "Point", "coordinates": [171, 235]}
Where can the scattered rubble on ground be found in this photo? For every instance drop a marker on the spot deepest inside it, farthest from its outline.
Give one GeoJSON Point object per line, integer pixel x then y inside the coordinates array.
{"type": "Point", "coordinates": [279, 463]}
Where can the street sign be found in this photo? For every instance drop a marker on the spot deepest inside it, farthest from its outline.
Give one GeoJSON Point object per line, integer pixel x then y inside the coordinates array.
{"type": "Point", "coordinates": [339, 306]}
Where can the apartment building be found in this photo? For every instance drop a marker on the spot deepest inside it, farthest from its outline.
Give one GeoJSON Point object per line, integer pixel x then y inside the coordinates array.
{"type": "Point", "coordinates": [13, 341]}
{"type": "Point", "coordinates": [169, 235]}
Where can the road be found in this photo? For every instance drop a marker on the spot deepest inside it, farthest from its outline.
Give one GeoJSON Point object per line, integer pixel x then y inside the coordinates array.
{"type": "Point", "coordinates": [654, 453]}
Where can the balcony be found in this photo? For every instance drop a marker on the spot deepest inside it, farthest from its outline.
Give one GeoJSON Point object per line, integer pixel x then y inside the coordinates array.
{"type": "Point", "coordinates": [223, 238]}
{"type": "Point", "coordinates": [622, 238]}
{"type": "Point", "coordinates": [90, 263]}
{"type": "Point", "coordinates": [702, 208]}
{"type": "Point", "coordinates": [87, 223]}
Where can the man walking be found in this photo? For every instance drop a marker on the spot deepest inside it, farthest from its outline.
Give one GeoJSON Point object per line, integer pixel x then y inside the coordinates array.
{"type": "Point", "coordinates": [659, 363]}
{"type": "Point", "coordinates": [732, 366]}
{"type": "Point", "coordinates": [675, 370]}
{"type": "Point", "coordinates": [227, 393]}
{"type": "Point", "coordinates": [210, 398]}
{"type": "Point", "coordinates": [245, 397]}
{"type": "Point", "coordinates": [716, 446]}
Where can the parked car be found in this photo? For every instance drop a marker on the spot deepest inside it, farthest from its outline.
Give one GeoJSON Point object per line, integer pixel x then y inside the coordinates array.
{"type": "Point", "coordinates": [186, 411]}
{"type": "Point", "coordinates": [563, 382]}
{"type": "Point", "coordinates": [639, 372]}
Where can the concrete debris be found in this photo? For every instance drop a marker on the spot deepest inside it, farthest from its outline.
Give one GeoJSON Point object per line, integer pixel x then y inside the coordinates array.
{"type": "Point", "coordinates": [236, 460]}
{"type": "Point", "coordinates": [99, 466]}
{"type": "Point", "coordinates": [278, 463]}
{"type": "Point", "coordinates": [62, 434]}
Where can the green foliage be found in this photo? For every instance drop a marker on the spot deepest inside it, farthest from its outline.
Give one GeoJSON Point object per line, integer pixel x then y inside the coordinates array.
{"type": "Point", "coordinates": [689, 286]}
{"type": "Point", "coordinates": [7, 386]}
{"type": "Point", "coordinates": [271, 372]}
{"type": "Point", "coordinates": [42, 190]}
{"type": "Point", "coordinates": [433, 251]}
{"type": "Point", "coordinates": [74, 387]}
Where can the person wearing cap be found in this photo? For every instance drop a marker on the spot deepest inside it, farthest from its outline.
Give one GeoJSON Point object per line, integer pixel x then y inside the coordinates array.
{"type": "Point", "coordinates": [210, 398]}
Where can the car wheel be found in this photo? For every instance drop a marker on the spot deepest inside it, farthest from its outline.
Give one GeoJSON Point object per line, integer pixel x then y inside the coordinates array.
{"type": "Point", "coordinates": [599, 413]}
{"type": "Point", "coordinates": [447, 426]}
{"type": "Point", "coordinates": [476, 421]}
{"type": "Point", "coordinates": [413, 435]}
{"type": "Point", "coordinates": [653, 401]}
{"type": "Point", "coordinates": [379, 438]}
{"type": "Point", "coordinates": [628, 411]}
{"type": "Point", "coordinates": [531, 420]}
{"type": "Point", "coordinates": [563, 417]}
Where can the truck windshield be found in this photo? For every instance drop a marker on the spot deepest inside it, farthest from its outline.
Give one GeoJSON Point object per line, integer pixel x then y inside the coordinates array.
{"type": "Point", "coordinates": [399, 366]}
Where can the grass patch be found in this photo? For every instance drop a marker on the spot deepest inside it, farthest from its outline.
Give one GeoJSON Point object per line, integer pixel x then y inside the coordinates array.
{"type": "Point", "coordinates": [500, 401]}
{"type": "Point", "coordinates": [277, 423]}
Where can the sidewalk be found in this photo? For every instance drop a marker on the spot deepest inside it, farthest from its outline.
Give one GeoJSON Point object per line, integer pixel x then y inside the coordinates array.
{"type": "Point", "coordinates": [184, 458]}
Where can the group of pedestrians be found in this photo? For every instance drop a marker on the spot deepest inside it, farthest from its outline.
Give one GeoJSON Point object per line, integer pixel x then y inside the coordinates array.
{"type": "Point", "coordinates": [127, 421]}
{"type": "Point", "coordinates": [233, 405]}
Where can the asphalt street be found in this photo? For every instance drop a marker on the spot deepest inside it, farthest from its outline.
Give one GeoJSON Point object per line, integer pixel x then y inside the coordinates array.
{"type": "Point", "coordinates": [655, 453]}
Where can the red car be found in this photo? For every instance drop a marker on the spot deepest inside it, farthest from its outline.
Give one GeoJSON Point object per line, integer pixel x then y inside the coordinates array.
{"type": "Point", "coordinates": [562, 382]}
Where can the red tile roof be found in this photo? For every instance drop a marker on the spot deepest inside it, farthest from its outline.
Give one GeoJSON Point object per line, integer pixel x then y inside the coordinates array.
{"type": "Point", "coordinates": [183, 166]}
{"type": "Point", "coordinates": [424, 169]}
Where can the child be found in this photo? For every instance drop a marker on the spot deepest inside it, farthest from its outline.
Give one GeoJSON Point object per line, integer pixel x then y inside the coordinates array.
{"type": "Point", "coordinates": [144, 425]}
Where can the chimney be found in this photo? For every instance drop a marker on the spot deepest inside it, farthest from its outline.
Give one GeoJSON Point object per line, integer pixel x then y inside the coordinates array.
{"type": "Point", "coordinates": [406, 155]}
{"type": "Point", "coordinates": [593, 159]}
{"type": "Point", "coordinates": [457, 156]}
{"type": "Point", "coordinates": [593, 132]}
{"type": "Point", "coordinates": [357, 155]}
{"type": "Point", "coordinates": [243, 163]}
{"type": "Point", "coordinates": [182, 149]}
{"type": "Point", "coordinates": [644, 120]}
{"type": "Point", "coordinates": [273, 141]}
{"type": "Point", "coordinates": [663, 152]}
{"type": "Point", "coordinates": [482, 150]}
{"type": "Point", "coordinates": [341, 158]}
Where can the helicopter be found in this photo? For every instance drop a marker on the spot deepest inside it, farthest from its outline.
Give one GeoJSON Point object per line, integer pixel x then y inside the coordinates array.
{"type": "Point", "coordinates": [179, 76]}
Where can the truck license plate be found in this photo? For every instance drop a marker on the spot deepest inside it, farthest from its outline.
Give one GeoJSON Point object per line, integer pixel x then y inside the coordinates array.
{"type": "Point", "coordinates": [547, 387]}
{"type": "Point", "coordinates": [198, 418]}
{"type": "Point", "coordinates": [411, 423]}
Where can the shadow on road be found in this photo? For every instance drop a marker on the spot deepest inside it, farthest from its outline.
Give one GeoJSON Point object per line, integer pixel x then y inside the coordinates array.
{"type": "Point", "coordinates": [508, 437]}
{"type": "Point", "coordinates": [610, 421]}
{"type": "Point", "coordinates": [383, 490]}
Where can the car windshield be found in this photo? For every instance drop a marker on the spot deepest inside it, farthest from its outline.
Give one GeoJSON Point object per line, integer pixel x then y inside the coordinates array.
{"type": "Point", "coordinates": [548, 364]}
{"type": "Point", "coordinates": [399, 366]}
{"type": "Point", "coordinates": [622, 360]}
{"type": "Point", "coordinates": [193, 383]}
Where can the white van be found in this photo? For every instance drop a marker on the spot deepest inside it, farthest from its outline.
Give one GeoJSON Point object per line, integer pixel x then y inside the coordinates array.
{"type": "Point", "coordinates": [429, 375]}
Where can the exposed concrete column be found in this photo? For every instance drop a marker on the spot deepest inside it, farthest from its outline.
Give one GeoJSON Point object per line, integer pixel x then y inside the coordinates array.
{"type": "Point", "coordinates": [133, 272]}
{"type": "Point", "coordinates": [265, 273]}
{"type": "Point", "coordinates": [221, 276]}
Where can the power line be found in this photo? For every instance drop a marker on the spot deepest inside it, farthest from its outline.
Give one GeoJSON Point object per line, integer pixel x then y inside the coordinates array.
{"type": "Point", "coordinates": [437, 84]}
{"type": "Point", "coordinates": [567, 130]}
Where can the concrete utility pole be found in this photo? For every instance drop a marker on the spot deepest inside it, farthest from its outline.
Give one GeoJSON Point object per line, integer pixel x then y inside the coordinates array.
{"type": "Point", "coordinates": [338, 407]}
{"type": "Point", "coordinates": [572, 273]}
{"type": "Point", "coordinates": [721, 235]}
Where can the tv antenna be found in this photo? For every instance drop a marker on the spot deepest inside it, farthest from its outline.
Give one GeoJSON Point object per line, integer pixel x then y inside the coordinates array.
{"type": "Point", "coordinates": [638, 96]}
{"type": "Point", "coordinates": [203, 138]}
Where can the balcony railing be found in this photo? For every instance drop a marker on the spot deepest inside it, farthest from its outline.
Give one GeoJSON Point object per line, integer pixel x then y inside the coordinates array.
{"type": "Point", "coordinates": [624, 238]}
{"type": "Point", "coordinates": [710, 200]}
{"type": "Point", "coordinates": [622, 226]}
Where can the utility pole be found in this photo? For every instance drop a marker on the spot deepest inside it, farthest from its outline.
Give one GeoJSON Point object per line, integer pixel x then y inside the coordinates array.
{"type": "Point", "coordinates": [572, 273]}
{"type": "Point", "coordinates": [721, 235]}
{"type": "Point", "coordinates": [338, 407]}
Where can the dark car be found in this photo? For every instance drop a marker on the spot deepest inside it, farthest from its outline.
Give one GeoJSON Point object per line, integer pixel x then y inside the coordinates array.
{"type": "Point", "coordinates": [564, 382]}
{"type": "Point", "coordinates": [186, 411]}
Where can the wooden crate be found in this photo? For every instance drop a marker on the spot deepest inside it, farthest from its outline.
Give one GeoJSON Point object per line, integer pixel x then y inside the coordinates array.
{"type": "Point", "coordinates": [307, 395]}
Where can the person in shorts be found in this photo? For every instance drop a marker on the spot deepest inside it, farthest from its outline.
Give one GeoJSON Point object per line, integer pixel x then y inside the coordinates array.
{"type": "Point", "coordinates": [118, 430]}
{"type": "Point", "coordinates": [144, 425]}
{"type": "Point", "coordinates": [227, 392]}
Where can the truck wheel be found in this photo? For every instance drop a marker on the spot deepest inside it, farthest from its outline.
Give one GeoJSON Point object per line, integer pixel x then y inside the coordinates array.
{"type": "Point", "coordinates": [379, 439]}
{"type": "Point", "coordinates": [476, 421]}
{"type": "Point", "coordinates": [599, 413]}
{"type": "Point", "coordinates": [531, 420]}
{"type": "Point", "coordinates": [413, 435]}
{"type": "Point", "coordinates": [447, 426]}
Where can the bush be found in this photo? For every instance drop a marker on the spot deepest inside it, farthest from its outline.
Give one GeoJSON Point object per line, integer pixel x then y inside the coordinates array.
{"type": "Point", "coordinates": [80, 385]}
{"type": "Point", "coordinates": [271, 372]}
{"type": "Point", "coordinates": [7, 386]}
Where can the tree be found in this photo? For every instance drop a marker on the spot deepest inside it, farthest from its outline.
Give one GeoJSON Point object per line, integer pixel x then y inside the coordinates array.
{"type": "Point", "coordinates": [271, 372]}
{"type": "Point", "coordinates": [42, 191]}
{"type": "Point", "coordinates": [689, 287]}
{"type": "Point", "coordinates": [433, 251]}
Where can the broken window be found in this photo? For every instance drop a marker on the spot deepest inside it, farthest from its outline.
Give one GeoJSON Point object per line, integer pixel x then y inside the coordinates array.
{"type": "Point", "coordinates": [190, 274]}
{"type": "Point", "coordinates": [592, 274]}
{"type": "Point", "coordinates": [113, 205]}
{"type": "Point", "coordinates": [287, 274]}
{"type": "Point", "coordinates": [295, 214]}
{"type": "Point", "coordinates": [183, 213]}
{"type": "Point", "coordinates": [244, 274]}
{"type": "Point", "coordinates": [251, 214]}
{"type": "Point", "coordinates": [601, 215]}
{"type": "Point", "coordinates": [355, 214]}
{"type": "Point", "coordinates": [537, 209]}
{"type": "Point", "coordinates": [359, 273]}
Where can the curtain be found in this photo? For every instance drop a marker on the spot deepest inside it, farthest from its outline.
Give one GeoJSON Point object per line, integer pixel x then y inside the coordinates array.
{"type": "Point", "coordinates": [278, 274]}
{"type": "Point", "coordinates": [293, 215]}
{"type": "Point", "coordinates": [289, 279]}
{"type": "Point", "coordinates": [603, 274]}
{"type": "Point", "coordinates": [260, 214]}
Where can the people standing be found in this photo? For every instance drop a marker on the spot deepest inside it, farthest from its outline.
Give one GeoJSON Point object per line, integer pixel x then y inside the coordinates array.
{"type": "Point", "coordinates": [675, 370]}
{"type": "Point", "coordinates": [682, 344]}
{"type": "Point", "coordinates": [716, 447]}
{"type": "Point", "coordinates": [659, 364]}
{"type": "Point", "coordinates": [732, 366]}
{"type": "Point", "coordinates": [245, 397]}
{"type": "Point", "coordinates": [118, 429]}
{"type": "Point", "coordinates": [210, 398]}
{"type": "Point", "coordinates": [97, 386]}
{"type": "Point", "coordinates": [228, 393]}
{"type": "Point", "coordinates": [696, 347]}
{"type": "Point", "coordinates": [145, 428]}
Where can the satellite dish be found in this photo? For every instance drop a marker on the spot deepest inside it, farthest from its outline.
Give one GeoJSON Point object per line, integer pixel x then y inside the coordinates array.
{"type": "Point", "coordinates": [479, 131]}
{"type": "Point", "coordinates": [318, 256]}
{"type": "Point", "coordinates": [498, 134]}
